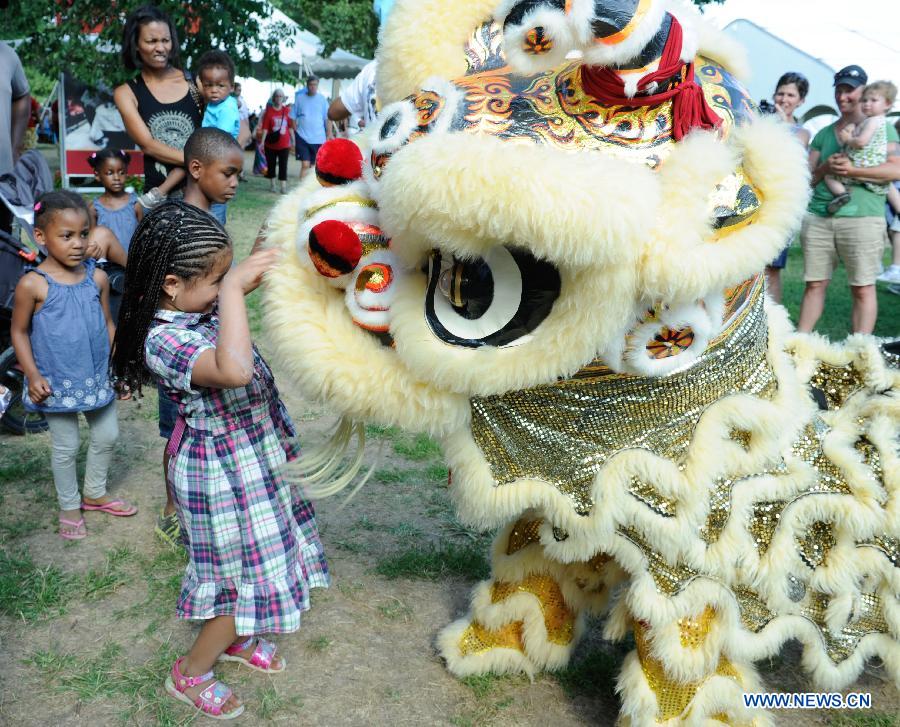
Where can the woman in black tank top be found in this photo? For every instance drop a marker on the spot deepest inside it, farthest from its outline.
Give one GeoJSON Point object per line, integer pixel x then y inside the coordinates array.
{"type": "Point", "coordinates": [161, 107]}
{"type": "Point", "coordinates": [168, 123]}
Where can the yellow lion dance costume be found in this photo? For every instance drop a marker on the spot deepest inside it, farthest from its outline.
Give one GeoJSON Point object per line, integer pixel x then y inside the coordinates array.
{"type": "Point", "coordinates": [557, 275]}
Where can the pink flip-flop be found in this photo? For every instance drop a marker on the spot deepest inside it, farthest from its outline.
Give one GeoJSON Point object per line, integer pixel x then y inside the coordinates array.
{"type": "Point", "coordinates": [110, 509]}
{"type": "Point", "coordinates": [80, 532]}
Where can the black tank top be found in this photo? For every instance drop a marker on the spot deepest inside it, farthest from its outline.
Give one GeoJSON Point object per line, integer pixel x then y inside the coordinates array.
{"type": "Point", "coordinates": [169, 123]}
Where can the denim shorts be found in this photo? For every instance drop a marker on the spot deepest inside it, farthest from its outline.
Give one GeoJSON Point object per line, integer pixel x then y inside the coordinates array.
{"type": "Point", "coordinates": [168, 413]}
{"type": "Point", "coordinates": [781, 261]}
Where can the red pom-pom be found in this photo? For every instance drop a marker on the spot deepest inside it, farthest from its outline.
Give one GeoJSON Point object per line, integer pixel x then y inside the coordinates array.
{"type": "Point", "coordinates": [339, 161]}
{"type": "Point", "coordinates": [334, 248]}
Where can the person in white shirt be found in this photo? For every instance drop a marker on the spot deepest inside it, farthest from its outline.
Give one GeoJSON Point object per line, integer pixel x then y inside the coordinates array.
{"type": "Point", "coordinates": [242, 107]}
{"type": "Point", "coordinates": [358, 98]}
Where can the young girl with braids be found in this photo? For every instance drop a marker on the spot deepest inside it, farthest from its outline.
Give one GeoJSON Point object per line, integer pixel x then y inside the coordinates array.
{"type": "Point", "coordinates": [61, 329]}
{"type": "Point", "coordinates": [252, 540]}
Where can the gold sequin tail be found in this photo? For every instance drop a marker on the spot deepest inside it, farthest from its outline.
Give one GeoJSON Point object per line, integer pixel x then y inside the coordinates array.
{"type": "Point", "coordinates": [652, 694]}
{"type": "Point", "coordinates": [528, 617]}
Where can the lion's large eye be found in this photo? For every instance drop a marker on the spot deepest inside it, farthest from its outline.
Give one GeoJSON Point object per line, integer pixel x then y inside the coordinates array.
{"type": "Point", "coordinates": [492, 301]}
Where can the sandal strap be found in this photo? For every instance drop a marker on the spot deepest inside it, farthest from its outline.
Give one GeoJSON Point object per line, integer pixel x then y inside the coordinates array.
{"type": "Point", "coordinates": [238, 648]}
{"type": "Point", "coordinates": [212, 699]}
{"type": "Point", "coordinates": [263, 654]}
{"type": "Point", "coordinates": [182, 682]}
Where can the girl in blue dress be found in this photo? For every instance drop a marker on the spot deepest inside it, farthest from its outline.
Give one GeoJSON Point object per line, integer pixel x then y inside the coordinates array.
{"type": "Point", "coordinates": [254, 550]}
{"type": "Point", "coordinates": [115, 209]}
{"type": "Point", "coordinates": [61, 330]}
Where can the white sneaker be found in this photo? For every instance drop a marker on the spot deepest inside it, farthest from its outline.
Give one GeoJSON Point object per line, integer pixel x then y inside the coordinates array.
{"type": "Point", "coordinates": [891, 275]}
{"type": "Point", "coordinates": [5, 399]}
{"type": "Point", "coordinates": [151, 199]}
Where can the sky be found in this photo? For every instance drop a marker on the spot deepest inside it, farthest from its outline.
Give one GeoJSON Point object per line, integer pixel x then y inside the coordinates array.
{"type": "Point", "coordinates": [838, 32]}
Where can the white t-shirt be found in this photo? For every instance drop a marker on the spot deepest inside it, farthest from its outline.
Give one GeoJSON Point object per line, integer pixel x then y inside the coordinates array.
{"type": "Point", "coordinates": [359, 95]}
{"type": "Point", "coordinates": [243, 111]}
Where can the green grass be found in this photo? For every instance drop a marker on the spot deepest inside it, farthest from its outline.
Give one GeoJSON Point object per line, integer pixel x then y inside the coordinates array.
{"type": "Point", "coordinates": [162, 574]}
{"type": "Point", "coordinates": [434, 562]}
{"type": "Point", "coordinates": [270, 704]}
{"type": "Point", "coordinates": [483, 685]}
{"type": "Point", "coordinates": [319, 644]}
{"type": "Point", "coordinates": [108, 674]}
{"type": "Point", "coordinates": [417, 447]}
{"type": "Point", "coordinates": [102, 582]}
{"type": "Point", "coordinates": [18, 528]}
{"type": "Point", "coordinates": [397, 475]}
{"type": "Point", "coordinates": [835, 321]}
{"type": "Point", "coordinates": [395, 610]}
{"type": "Point", "coordinates": [31, 593]}
{"type": "Point", "coordinates": [25, 461]}
{"type": "Point", "coordinates": [377, 431]}
{"type": "Point", "coordinates": [490, 701]}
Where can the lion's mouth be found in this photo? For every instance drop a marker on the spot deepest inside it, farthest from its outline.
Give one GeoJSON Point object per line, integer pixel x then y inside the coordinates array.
{"type": "Point", "coordinates": [497, 300]}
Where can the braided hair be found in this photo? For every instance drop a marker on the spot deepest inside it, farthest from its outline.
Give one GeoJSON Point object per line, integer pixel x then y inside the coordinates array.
{"type": "Point", "coordinates": [97, 158]}
{"type": "Point", "coordinates": [174, 239]}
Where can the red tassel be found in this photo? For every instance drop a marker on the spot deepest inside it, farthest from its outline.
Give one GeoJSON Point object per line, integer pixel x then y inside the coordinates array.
{"type": "Point", "coordinates": [689, 107]}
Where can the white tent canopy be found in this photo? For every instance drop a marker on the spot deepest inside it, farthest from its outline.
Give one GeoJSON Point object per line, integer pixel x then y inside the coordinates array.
{"type": "Point", "coordinates": [300, 54]}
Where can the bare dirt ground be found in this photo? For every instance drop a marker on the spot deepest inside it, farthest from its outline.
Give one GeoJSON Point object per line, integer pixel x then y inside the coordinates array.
{"type": "Point", "coordinates": [87, 631]}
{"type": "Point", "coordinates": [94, 634]}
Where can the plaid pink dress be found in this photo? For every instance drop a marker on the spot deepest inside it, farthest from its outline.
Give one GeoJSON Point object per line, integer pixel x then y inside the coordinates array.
{"type": "Point", "coordinates": [253, 543]}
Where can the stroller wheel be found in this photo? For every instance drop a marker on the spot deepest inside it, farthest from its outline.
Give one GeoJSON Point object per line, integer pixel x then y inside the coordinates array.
{"type": "Point", "coordinates": [16, 418]}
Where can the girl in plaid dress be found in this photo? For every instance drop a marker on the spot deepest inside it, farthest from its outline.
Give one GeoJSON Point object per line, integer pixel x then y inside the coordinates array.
{"type": "Point", "coordinates": [252, 540]}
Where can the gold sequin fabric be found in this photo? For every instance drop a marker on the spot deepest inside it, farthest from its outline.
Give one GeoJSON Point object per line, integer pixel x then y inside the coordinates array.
{"type": "Point", "coordinates": [559, 620]}
{"type": "Point", "coordinates": [837, 383]}
{"type": "Point", "coordinates": [477, 639]}
{"type": "Point", "coordinates": [889, 546]}
{"type": "Point", "coordinates": [815, 544]}
{"type": "Point", "coordinates": [563, 433]}
{"type": "Point", "coordinates": [869, 619]}
{"type": "Point", "coordinates": [524, 533]}
{"type": "Point", "coordinates": [672, 696]}
{"type": "Point", "coordinates": [693, 631]}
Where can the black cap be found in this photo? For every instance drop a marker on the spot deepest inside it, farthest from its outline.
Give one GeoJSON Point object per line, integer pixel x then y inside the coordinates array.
{"type": "Point", "coordinates": [852, 76]}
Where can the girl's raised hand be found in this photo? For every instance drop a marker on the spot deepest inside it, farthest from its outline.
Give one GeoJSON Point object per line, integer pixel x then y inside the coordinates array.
{"type": "Point", "coordinates": [249, 273]}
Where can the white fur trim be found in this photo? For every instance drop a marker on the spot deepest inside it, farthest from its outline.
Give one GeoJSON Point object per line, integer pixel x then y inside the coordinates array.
{"type": "Point", "coordinates": [425, 38]}
{"type": "Point", "coordinates": [557, 29]}
{"type": "Point", "coordinates": [685, 259]}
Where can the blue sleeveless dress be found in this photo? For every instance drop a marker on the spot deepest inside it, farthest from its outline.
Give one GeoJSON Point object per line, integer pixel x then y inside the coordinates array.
{"type": "Point", "coordinates": [123, 222]}
{"type": "Point", "coordinates": [70, 343]}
